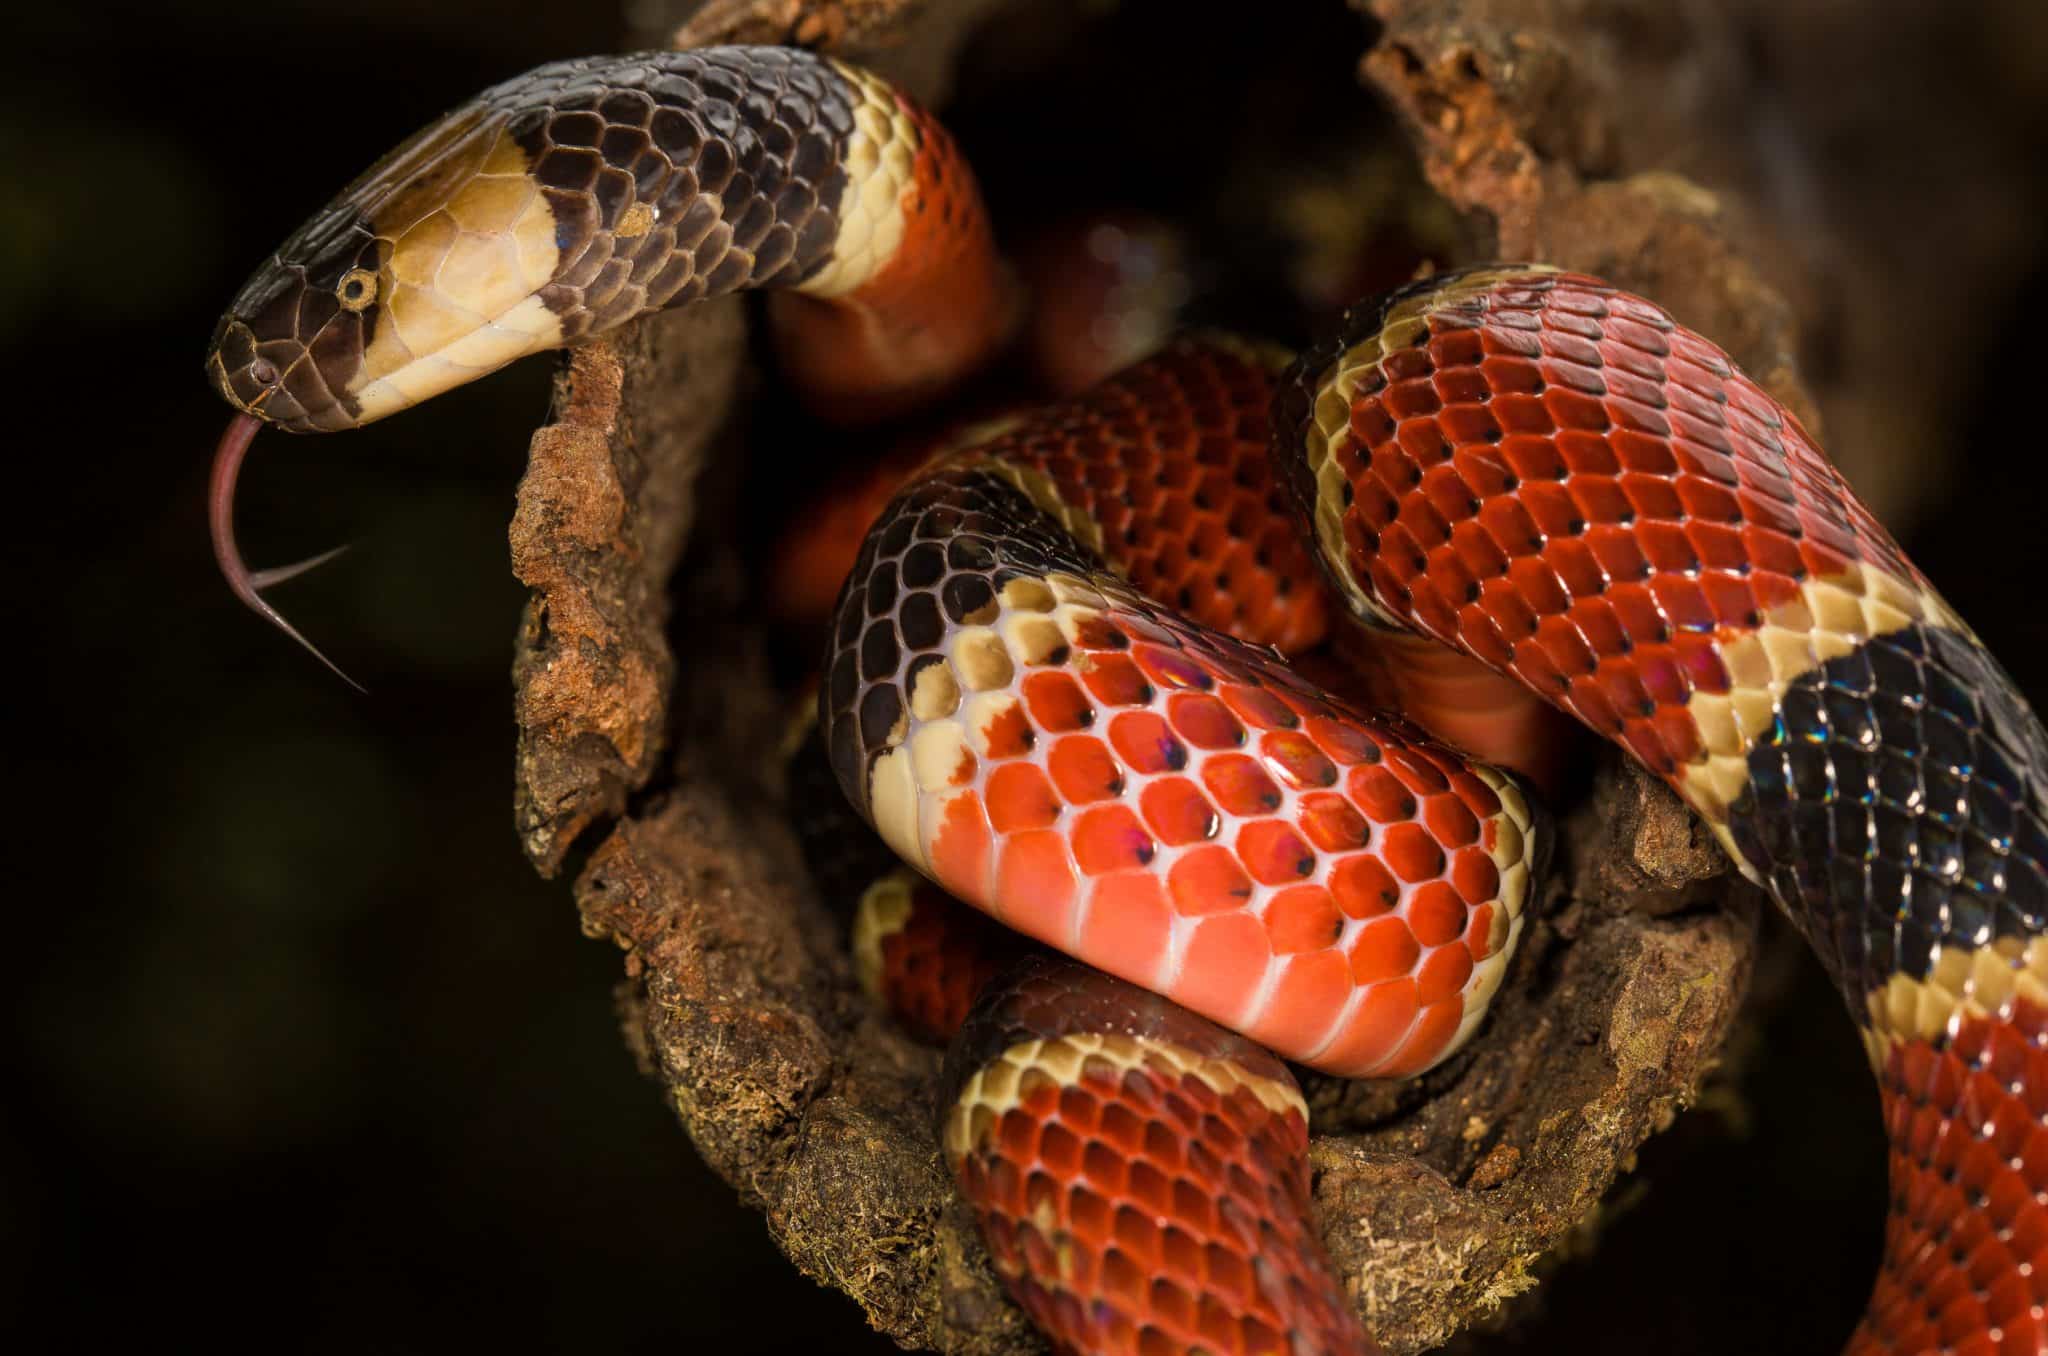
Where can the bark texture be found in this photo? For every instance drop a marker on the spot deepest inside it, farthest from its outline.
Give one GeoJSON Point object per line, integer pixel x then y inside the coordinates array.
{"type": "Point", "coordinates": [640, 740]}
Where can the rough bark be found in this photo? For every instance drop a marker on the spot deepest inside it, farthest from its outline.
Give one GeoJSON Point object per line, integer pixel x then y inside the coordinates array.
{"type": "Point", "coordinates": [602, 515]}
{"type": "Point", "coordinates": [1437, 1197]}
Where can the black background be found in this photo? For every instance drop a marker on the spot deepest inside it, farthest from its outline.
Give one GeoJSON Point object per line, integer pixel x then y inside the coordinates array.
{"type": "Point", "coordinates": [300, 1050]}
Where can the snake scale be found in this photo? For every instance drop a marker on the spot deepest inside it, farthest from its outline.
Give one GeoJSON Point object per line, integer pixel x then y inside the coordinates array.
{"type": "Point", "coordinates": [1060, 693]}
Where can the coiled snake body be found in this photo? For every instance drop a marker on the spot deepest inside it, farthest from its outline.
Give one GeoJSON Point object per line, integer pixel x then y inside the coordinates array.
{"type": "Point", "coordinates": [1055, 688]}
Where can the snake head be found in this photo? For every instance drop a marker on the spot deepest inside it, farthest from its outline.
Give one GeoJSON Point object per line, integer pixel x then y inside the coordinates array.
{"type": "Point", "coordinates": [292, 341]}
{"type": "Point", "coordinates": [420, 276]}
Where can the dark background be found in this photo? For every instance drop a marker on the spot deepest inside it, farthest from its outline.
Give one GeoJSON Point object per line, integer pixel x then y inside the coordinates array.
{"type": "Point", "coordinates": [299, 1049]}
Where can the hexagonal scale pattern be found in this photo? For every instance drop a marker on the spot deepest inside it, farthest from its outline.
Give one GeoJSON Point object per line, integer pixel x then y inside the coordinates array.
{"type": "Point", "coordinates": [678, 175]}
{"type": "Point", "coordinates": [1555, 477]}
{"type": "Point", "coordinates": [1898, 805]}
{"type": "Point", "coordinates": [1966, 1245]}
{"type": "Point", "coordinates": [1166, 470]}
{"type": "Point", "coordinates": [1158, 800]}
{"type": "Point", "coordinates": [1141, 1175]}
{"type": "Point", "coordinates": [1163, 468]}
{"type": "Point", "coordinates": [1558, 479]}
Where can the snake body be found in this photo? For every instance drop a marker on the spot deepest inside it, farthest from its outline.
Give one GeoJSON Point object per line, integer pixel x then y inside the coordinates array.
{"type": "Point", "coordinates": [1022, 723]}
{"type": "Point", "coordinates": [1558, 479]}
{"type": "Point", "coordinates": [1141, 1175]}
{"type": "Point", "coordinates": [1056, 683]}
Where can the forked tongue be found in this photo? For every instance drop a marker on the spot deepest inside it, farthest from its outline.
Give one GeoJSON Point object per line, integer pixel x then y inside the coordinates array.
{"type": "Point", "coordinates": [220, 512]}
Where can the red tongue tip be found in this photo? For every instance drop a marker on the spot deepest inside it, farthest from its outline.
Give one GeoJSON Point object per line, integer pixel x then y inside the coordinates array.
{"type": "Point", "coordinates": [220, 514]}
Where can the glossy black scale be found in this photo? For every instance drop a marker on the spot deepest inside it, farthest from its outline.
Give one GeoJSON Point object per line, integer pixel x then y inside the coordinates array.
{"type": "Point", "coordinates": [737, 150]}
{"type": "Point", "coordinates": [1897, 804]}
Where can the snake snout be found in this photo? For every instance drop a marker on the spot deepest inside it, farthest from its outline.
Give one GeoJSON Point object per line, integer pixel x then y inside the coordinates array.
{"type": "Point", "coordinates": [275, 379]}
{"type": "Point", "coordinates": [246, 379]}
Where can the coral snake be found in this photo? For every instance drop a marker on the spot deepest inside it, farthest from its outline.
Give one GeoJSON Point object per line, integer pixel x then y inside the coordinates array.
{"type": "Point", "coordinates": [1055, 681]}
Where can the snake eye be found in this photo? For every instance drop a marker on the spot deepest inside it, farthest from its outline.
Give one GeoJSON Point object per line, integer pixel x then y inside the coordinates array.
{"type": "Point", "coordinates": [358, 289]}
{"type": "Point", "coordinates": [263, 372]}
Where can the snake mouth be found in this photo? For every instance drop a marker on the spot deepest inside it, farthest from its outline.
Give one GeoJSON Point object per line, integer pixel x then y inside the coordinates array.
{"type": "Point", "coordinates": [232, 389]}
{"type": "Point", "coordinates": [247, 584]}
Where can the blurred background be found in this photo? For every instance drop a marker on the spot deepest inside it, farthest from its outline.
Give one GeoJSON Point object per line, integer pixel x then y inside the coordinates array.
{"type": "Point", "coordinates": [299, 1048]}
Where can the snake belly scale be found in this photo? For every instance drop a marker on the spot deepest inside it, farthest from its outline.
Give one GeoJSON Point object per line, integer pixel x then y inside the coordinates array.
{"type": "Point", "coordinates": [1058, 681]}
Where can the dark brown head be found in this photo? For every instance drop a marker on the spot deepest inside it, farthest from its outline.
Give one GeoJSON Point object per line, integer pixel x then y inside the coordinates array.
{"type": "Point", "coordinates": [422, 275]}
{"type": "Point", "coordinates": [292, 340]}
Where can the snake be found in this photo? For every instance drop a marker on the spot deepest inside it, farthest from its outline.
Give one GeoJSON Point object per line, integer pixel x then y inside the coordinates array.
{"type": "Point", "coordinates": [1058, 680]}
